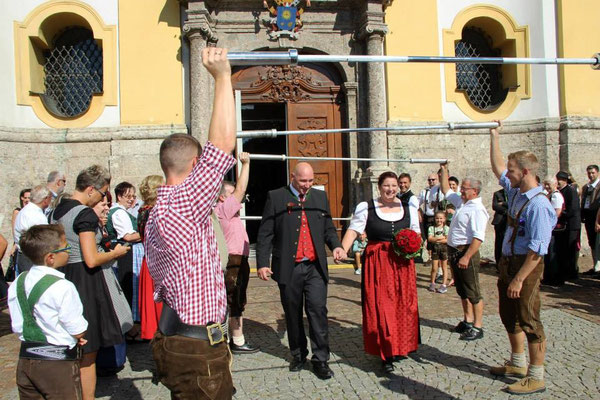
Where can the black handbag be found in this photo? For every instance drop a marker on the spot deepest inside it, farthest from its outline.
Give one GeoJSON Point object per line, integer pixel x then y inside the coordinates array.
{"type": "Point", "coordinates": [10, 271]}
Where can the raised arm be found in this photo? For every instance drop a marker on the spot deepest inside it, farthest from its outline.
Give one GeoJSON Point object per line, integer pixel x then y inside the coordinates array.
{"type": "Point", "coordinates": [222, 129]}
{"type": "Point", "coordinates": [498, 165]}
{"type": "Point", "coordinates": [444, 185]}
{"type": "Point", "coordinates": [242, 182]}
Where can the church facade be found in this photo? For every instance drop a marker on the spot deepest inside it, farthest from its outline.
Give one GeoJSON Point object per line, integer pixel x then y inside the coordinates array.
{"type": "Point", "coordinates": [103, 81]}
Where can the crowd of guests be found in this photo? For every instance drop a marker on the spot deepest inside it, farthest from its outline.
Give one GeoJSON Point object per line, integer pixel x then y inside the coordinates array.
{"type": "Point", "coordinates": [91, 273]}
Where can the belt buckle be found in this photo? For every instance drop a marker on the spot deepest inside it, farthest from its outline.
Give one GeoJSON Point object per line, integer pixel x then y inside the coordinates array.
{"type": "Point", "coordinates": [209, 328]}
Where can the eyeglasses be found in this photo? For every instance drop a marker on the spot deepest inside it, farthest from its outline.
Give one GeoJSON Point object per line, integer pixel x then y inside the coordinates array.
{"type": "Point", "coordinates": [431, 180]}
{"type": "Point", "coordinates": [63, 181]}
{"type": "Point", "coordinates": [462, 188]}
{"type": "Point", "coordinates": [101, 192]}
{"type": "Point", "coordinates": [66, 249]}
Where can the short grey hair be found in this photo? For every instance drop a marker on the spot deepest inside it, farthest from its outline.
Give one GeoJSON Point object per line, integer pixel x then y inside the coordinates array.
{"type": "Point", "coordinates": [53, 176]}
{"type": "Point", "coordinates": [39, 194]}
{"type": "Point", "coordinates": [551, 179]}
{"type": "Point", "coordinates": [475, 184]}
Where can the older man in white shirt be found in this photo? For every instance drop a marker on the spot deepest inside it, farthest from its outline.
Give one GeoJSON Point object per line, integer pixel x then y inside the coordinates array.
{"type": "Point", "coordinates": [30, 215]}
{"type": "Point", "coordinates": [467, 232]}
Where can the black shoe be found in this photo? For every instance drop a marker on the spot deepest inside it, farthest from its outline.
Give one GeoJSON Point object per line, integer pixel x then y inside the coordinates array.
{"type": "Point", "coordinates": [472, 334]}
{"type": "Point", "coordinates": [322, 370]}
{"type": "Point", "coordinates": [246, 348]}
{"type": "Point", "coordinates": [462, 327]}
{"type": "Point", "coordinates": [388, 366]}
{"type": "Point", "coordinates": [297, 364]}
{"type": "Point", "coordinates": [590, 272]}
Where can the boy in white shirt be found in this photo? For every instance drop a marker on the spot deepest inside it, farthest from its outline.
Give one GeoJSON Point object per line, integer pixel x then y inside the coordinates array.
{"type": "Point", "coordinates": [47, 315]}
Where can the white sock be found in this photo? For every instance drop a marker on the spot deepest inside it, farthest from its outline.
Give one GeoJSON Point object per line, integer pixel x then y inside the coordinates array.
{"type": "Point", "coordinates": [518, 359]}
{"type": "Point", "coordinates": [238, 340]}
{"type": "Point", "coordinates": [536, 372]}
{"type": "Point", "coordinates": [597, 266]}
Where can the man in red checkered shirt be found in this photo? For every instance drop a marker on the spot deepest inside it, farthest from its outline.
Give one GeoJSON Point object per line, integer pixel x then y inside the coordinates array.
{"type": "Point", "coordinates": [182, 255]}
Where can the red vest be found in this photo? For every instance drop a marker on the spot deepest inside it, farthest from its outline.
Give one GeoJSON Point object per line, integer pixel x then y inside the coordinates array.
{"type": "Point", "coordinates": [306, 249]}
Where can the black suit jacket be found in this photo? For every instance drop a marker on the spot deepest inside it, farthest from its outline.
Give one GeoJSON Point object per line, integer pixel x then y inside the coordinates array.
{"type": "Point", "coordinates": [280, 228]}
{"type": "Point", "coordinates": [571, 215]}
{"type": "Point", "coordinates": [500, 206]}
{"type": "Point", "coordinates": [594, 205]}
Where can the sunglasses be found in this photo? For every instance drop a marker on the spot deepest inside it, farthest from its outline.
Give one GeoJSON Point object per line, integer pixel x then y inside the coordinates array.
{"type": "Point", "coordinates": [101, 192]}
{"type": "Point", "coordinates": [66, 249]}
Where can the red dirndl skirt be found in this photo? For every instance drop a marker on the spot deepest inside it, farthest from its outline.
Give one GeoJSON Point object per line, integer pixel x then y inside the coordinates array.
{"type": "Point", "coordinates": [149, 309]}
{"type": "Point", "coordinates": [389, 302]}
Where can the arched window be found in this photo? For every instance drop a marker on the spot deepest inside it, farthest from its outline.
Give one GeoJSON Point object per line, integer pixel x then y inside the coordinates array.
{"type": "Point", "coordinates": [72, 72]}
{"type": "Point", "coordinates": [482, 83]}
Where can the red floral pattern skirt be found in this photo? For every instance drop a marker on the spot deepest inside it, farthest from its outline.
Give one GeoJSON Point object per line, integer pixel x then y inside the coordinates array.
{"type": "Point", "coordinates": [389, 302]}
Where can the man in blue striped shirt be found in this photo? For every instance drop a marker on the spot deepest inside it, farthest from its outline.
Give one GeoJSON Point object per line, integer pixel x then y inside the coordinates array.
{"type": "Point", "coordinates": [528, 233]}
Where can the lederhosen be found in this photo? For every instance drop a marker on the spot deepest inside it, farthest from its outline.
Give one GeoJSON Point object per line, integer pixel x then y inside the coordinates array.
{"type": "Point", "coordinates": [36, 344]}
{"type": "Point", "coordinates": [521, 314]}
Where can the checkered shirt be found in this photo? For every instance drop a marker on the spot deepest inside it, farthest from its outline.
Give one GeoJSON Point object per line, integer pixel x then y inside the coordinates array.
{"type": "Point", "coordinates": [181, 249]}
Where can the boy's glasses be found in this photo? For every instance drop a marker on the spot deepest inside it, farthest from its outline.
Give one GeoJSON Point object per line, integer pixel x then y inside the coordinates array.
{"type": "Point", "coordinates": [65, 249]}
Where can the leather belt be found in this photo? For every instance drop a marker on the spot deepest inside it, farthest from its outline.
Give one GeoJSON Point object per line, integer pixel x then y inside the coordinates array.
{"type": "Point", "coordinates": [48, 352]}
{"type": "Point", "coordinates": [171, 325]}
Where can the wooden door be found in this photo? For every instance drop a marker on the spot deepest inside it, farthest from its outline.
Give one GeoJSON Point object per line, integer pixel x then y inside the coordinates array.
{"type": "Point", "coordinates": [328, 174]}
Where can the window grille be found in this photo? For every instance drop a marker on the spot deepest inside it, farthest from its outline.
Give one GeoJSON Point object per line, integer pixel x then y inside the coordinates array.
{"type": "Point", "coordinates": [481, 82]}
{"type": "Point", "coordinates": [73, 72]}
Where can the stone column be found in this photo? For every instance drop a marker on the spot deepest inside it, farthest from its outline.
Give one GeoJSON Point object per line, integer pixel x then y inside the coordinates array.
{"type": "Point", "coordinates": [197, 29]}
{"type": "Point", "coordinates": [373, 31]}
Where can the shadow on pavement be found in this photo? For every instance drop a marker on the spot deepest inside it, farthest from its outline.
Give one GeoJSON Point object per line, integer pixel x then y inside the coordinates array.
{"type": "Point", "coordinates": [418, 390]}
{"type": "Point", "coordinates": [118, 389]}
{"type": "Point", "coordinates": [268, 338]}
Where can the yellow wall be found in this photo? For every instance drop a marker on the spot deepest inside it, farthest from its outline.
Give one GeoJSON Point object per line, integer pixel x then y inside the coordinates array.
{"type": "Point", "coordinates": [414, 91]}
{"type": "Point", "coordinates": [150, 62]}
{"type": "Point", "coordinates": [578, 37]}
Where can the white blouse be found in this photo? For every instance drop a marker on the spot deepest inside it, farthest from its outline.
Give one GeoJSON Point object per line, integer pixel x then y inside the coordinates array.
{"type": "Point", "coordinates": [359, 219]}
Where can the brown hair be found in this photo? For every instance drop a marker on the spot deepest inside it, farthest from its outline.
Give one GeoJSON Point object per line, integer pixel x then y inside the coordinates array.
{"type": "Point", "coordinates": [95, 176]}
{"type": "Point", "coordinates": [176, 151]}
{"type": "Point", "coordinates": [40, 240]}
{"type": "Point", "coordinates": [525, 160]}
{"type": "Point", "coordinates": [385, 175]}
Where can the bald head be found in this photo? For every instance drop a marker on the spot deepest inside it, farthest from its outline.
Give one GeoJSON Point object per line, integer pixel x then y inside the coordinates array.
{"type": "Point", "coordinates": [303, 177]}
{"type": "Point", "coordinates": [432, 180]}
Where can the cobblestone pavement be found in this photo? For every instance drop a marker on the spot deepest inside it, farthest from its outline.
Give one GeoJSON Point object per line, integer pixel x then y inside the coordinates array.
{"type": "Point", "coordinates": [443, 367]}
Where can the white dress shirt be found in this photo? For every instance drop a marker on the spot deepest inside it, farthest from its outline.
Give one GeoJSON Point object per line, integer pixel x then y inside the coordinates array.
{"type": "Point", "coordinates": [359, 219]}
{"type": "Point", "coordinates": [428, 197]}
{"type": "Point", "coordinates": [557, 200]}
{"type": "Point", "coordinates": [29, 216]}
{"type": "Point", "coordinates": [121, 221]}
{"type": "Point", "coordinates": [469, 221]}
{"type": "Point", "coordinates": [590, 193]}
{"type": "Point", "coordinates": [58, 312]}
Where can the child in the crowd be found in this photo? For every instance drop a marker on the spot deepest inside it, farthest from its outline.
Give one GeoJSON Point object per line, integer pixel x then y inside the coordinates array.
{"type": "Point", "coordinates": [47, 315]}
{"type": "Point", "coordinates": [437, 236]}
{"type": "Point", "coordinates": [358, 247]}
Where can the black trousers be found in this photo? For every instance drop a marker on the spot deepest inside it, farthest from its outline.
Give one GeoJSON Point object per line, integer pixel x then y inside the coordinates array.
{"type": "Point", "coordinates": [590, 228]}
{"type": "Point", "coordinates": [307, 288]}
{"type": "Point", "coordinates": [567, 248]}
{"type": "Point", "coordinates": [499, 231]}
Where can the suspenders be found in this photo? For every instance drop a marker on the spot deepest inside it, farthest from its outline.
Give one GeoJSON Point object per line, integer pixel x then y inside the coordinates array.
{"type": "Point", "coordinates": [31, 330]}
{"type": "Point", "coordinates": [514, 222]}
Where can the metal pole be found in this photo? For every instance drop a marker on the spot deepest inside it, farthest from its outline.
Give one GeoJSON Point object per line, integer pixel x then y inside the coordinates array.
{"type": "Point", "coordinates": [292, 57]}
{"type": "Point", "coordinates": [258, 218]}
{"type": "Point", "coordinates": [283, 157]}
{"type": "Point", "coordinates": [449, 126]}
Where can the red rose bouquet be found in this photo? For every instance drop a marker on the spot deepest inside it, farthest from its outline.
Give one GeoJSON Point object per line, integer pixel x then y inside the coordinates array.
{"type": "Point", "coordinates": [407, 243]}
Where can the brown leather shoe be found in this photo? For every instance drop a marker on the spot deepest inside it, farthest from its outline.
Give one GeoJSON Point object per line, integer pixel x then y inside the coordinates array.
{"type": "Point", "coordinates": [509, 370]}
{"type": "Point", "coordinates": [527, 385]}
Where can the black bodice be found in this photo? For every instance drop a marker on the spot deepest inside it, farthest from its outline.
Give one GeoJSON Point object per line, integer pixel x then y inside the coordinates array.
{"type": "Point", "coordinates": [379, 230]}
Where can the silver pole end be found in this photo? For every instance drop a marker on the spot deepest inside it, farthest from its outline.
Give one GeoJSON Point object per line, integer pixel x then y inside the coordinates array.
{"type": "Point", "coordinates": [596, 65]}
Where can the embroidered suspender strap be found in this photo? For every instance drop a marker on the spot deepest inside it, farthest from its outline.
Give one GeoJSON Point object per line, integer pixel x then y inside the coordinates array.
{"type": "Point", "coordinates": [515, 224]}
{"type": "Point", "coordinates": [31, 330]}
